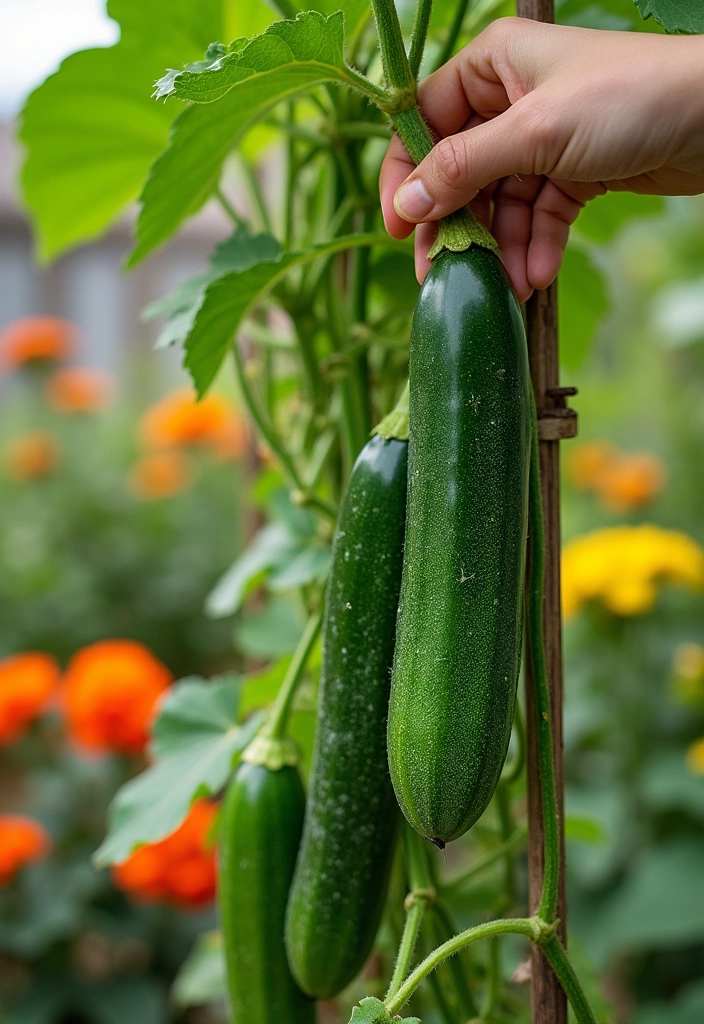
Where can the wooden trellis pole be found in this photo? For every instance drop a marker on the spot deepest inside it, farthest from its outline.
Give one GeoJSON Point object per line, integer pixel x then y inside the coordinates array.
{"type": "Point", "coordinates": [555, 422]}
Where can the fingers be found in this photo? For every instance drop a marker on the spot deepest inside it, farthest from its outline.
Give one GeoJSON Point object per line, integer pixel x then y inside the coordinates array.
{"type": "Point", "coordinates": [396, 167]}
{"type": "Point", "coordinates": [553, 213]}
{"type": "Point", "coordinates": [460, 165]}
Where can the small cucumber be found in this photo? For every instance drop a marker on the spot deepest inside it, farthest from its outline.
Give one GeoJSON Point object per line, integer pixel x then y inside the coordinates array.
{"type": "Point", "coordinates": [458, 640]}
{"type": "Point", "coordinates": [260, 828]}
{"type": "Point", "coordinates": [343, 867]}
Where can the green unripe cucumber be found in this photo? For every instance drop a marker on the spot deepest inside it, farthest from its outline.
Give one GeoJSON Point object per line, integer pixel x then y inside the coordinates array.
{"type": "Point", "coordinates": [260, 828]}
{"type": "Point", "coordinates": [459, 631]}
{"type": "Point", "coordinates": [342, 873]}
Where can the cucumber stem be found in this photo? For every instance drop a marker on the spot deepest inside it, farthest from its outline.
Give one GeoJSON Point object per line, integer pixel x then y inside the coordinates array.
{"type": "Point", "coordinates": [420, 32]}
{"type": "Point", "coordinates": [421, 894]}
{"type": "Point", "coordinates": [395, 423]}
{"type": "Point", "coordinates": [271, 746]}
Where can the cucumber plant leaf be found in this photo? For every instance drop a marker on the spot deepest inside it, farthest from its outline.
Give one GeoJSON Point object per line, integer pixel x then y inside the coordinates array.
{"type": "Point", "coordinates": [373, 1011]}
{"type": "Point", "coordinates": [202, 977]}
{"type": "Point", "coordinates": [196, 740]}
{"type": "Point", "coordinates": [91, 130]}
{"type": "Point", "coordinates": [238, 252]}
{"type": "Point", "coordinates": [674, 15]}
{"type": "Point", "coordinates": [583, 302]}
{"type": "Point", "coordinates": [246, 79]}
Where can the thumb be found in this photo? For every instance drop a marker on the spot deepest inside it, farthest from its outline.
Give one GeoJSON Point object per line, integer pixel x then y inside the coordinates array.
{"type": "Point", "coordinates": [460, 165]}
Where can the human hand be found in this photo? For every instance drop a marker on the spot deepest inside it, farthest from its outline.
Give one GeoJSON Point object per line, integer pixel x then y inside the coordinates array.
{"type": "Point", "coordinates": [534, 121]}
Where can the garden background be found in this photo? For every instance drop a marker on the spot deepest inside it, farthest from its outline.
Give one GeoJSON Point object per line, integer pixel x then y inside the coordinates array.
{"type": "Point", "coordinates": [124, 503]}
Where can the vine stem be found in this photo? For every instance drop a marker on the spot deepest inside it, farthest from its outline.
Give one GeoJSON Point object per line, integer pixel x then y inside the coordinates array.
{"type": "Point", "coordinates": [556, 954]}
{"type": "Point", "coordinates": [534, 618]}
{"type": "Point", "coordinates": [420, 33]}
{"type": "Point", "coordinates": [229, 209]}
{"type": "Point", "coordinates": [277, 722]}
{"type": "Point", "coordinates": [397, 70]}
{"type": "Point", "coordinates": [420, 895]}
{"type": "Point", "coordinates": [527, 926]}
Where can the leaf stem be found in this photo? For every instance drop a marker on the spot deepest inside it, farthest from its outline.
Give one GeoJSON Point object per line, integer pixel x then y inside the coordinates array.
{"type": "Point", "coordinates": [512, 769]}
{"type": "Point", "coordinates": [536, 650]}
{"type": "Point", "coordinates": [277, 721]}
{"type": "Point", "coordinates": [420, 32]}
{"type": "Point", "coordinates": [507, 926]}
{"type": "Point", "coordinates": [266, 428]}
{"type": "Point", "coordinates": [256, 193]}
{"type": "Point", "coordinates": [229, 209]}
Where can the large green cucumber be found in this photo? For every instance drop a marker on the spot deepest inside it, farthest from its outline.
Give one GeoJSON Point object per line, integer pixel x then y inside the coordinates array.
{"type": "Point", "coordinates": [458, 640]}
{"type": "Point", "coordinates": [342, 872]}
{"type": "Point", "coordinates": [260, 828]}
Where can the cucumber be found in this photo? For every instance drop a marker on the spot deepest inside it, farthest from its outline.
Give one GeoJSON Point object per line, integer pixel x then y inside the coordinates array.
{"type": "Point", "coordinates": [343, 867]}
{"type": "Point", "coordinates": [260, 828]}
{"type": "Point", "coordinates": [459, 631]}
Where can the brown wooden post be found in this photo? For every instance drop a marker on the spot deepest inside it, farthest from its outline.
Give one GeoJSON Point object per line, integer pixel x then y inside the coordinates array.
{"type": "Point", "coordinates": [555, 421]}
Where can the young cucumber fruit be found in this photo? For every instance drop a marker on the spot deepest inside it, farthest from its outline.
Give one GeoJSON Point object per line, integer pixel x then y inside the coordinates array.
{"type": "Point", "coordinates": [343, 867]}
{"type": "Point", "coordinates": [458, 640]}
{"type": "Point", "coordinates": [260, 828]}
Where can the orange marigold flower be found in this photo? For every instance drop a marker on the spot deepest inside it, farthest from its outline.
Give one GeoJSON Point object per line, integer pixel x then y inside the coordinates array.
{"type": "Point", "coordinates": [78, 389]}
{"type": "Point", "coordinates": [159, 475]}
{"type": "Point", "coordinates": [27, 681]}
{"type": "Point", "coordinates": [631, 480]}
{"type": "Point", "coordinates": [21, 840]}
{"type": "Point", "coordinates": [36, 339]}
{"type": "Point", "coordinates": [180, 421]}
{"type": "Point", "coordinates": [587, 462]}
{"type": "Point", "coordinates": [32, 455]}
{"type": "Point", "coordinates": [178, 869]}
{"type": "Point", "coordinates": [111, 691]}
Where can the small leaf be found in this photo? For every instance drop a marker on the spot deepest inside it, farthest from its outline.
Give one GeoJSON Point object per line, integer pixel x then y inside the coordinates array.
{"type": "Point", "coordinates": [373, 1011]}
{"type": "Point", "coordinates": [271, 632]}
{"type": "Point", "coordinates": [585, 830]}
{"type": "Point", "coordinates": [309, 565]}
{"type": "Point", "coordinates": [240, 251]}
{"type": "Point", "coordinates": [674, 15]}
{"type": "Point", "coordinates": [196, 741]}
{"type": "Point", "coordinates": [268, 548]}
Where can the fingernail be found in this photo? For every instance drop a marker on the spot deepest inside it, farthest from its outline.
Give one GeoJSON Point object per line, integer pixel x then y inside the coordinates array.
{"type": "Point", "coordinates": [412, 202]}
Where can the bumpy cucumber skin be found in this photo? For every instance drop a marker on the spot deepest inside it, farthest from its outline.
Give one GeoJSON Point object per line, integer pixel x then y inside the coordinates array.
{"type": "Point", "coordinates": [459, 630]}
{"type": "Point", "coordinates": [260, 828]}
{"type": "Point", "coordinates": [352, 817]}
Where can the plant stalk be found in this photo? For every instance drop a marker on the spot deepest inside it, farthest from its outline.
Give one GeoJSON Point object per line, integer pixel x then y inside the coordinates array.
{"type": "Point", "coordinates": [543, 726]}
{"type": "Point", "coordinates": [420, 33]}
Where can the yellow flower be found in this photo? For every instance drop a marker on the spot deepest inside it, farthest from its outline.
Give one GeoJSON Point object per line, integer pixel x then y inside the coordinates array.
{"type": "Point", "coordinates": [695, 757]}
{"type": "Point", "coordinates": [622, 566]}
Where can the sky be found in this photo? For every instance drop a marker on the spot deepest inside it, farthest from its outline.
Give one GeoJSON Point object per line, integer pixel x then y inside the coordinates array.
{"type": "Point", "coordinates": [35, 35]}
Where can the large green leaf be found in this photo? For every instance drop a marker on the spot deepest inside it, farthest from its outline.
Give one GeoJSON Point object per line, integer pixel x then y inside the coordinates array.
{"type": "Point", "coordinates": [196, 741]}
{"type": "Point", "coordinates": [91, 130]}
{"type": "Point", "coordinates": [373, 1011]}
{"type": "Point", "coordinates": [229, 299]}
{"type": "Point", "coordinates": [247, 80]}
{"type": "Point", "coordinates": [674, 15]}
{"type": "Point", "coordinates": [686, 1008]}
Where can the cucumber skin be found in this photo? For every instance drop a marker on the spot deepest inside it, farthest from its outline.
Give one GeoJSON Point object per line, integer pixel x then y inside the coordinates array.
{"type": "Point", "coordinates": [459, 630]}
{"type": "Point", "coordinates": [260, 828]}
{"type": "Point", "coordinates": [352, 818]}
